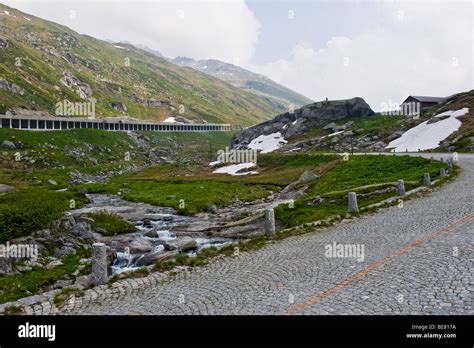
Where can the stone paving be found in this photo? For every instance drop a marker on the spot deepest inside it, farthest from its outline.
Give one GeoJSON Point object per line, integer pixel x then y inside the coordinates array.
{"type": "Point", "coordinates": [417, 260]}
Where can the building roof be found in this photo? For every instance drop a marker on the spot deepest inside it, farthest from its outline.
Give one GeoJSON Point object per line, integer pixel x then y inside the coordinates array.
{"type": "Point", "coordinates": [425, 99]}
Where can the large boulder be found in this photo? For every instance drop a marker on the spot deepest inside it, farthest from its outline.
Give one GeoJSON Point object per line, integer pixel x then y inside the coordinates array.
{"type": "Point", "coordinates": [181, 244]}
{"type": "Point", "coordinates": [8, 145]}
{"type": "Point", "coordinates": [81, 88]}
{"type": "Point", "coordinates": [156, 256]}
{"type": "Point", "coordinates": [314, 115]}
{"type": "Point", "coordinates": [306, 178]}
{"type": "Point", "coordinates": [6, 188]}
{"type": "Point", "coordinates": [6, 266]}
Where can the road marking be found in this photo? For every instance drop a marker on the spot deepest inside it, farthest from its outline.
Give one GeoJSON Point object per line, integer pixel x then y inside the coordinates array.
{"type": "Point", "coordinates": [372, 266]}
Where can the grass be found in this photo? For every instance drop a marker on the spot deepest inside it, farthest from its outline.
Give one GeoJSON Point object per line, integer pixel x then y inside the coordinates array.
{"type": "Point", "coordinates": [13, 310]}
{"type": "Point", "coordinates": [21, 285]}
{"type": "Point", "coordinates": [192, 190]}
{"type": "Point", "coordinates": [186, 196]}
{"type": "Point", "coordinates": [29, 210]}
{"type": "Point", "coordinates": [386, 124]}
{"type": "Point", "coordinates": [65, 294]}
{"type": "Point", "coordinates": [347, 176]}
{"type": "Point", "coordinates": [111, 223]}
{"type": "Point", "coordinates": [362, 170]}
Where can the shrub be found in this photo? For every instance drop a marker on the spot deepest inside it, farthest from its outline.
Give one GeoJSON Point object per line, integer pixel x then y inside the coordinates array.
{"type": "Point", "coordinates": [111, 223]}
{"type": "Point", "coordinates": [26, 211]}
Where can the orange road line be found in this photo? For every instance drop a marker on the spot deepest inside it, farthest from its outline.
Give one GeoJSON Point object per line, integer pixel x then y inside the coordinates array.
{"type": "Point", "coordinates": [374, 265]}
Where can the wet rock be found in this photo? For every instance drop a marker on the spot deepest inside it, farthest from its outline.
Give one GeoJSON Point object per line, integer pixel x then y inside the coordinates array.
{"type": "Point", "coordinates": [147, 223]}
{"type": "Point", "coordinates": [156, 256]}
{"type": "Point", "coordinates": [151, 234]}
{"type": "Point", "coordinates": [181, 244]}
{"type": "Point", "coordinates": [140, 246]}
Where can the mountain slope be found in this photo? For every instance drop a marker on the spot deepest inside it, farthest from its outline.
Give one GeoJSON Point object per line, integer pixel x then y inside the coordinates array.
{"type": "Point", "coordinates": [333, 126]}
{"type": "Point", "coordinates": [43, 63]}
{"type": "Point", "coordinates": [261, 85]}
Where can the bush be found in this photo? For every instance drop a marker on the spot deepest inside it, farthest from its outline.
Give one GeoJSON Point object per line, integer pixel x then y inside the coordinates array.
{"type": "Point", "coordinates": [26, 211]}
{"type": "Point", "coordinates": [111, 223]}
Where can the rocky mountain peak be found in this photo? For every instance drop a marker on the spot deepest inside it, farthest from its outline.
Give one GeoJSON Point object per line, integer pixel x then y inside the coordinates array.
{"type": "Point", "coordinates": [293, 123]}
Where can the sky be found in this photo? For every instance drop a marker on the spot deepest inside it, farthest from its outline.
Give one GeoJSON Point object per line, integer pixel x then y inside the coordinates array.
{"type": "Point", "coordinates": [382, 51]}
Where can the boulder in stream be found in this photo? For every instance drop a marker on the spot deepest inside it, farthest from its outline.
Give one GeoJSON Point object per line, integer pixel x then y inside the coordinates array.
{"type": "Point", "coordinates": [181, 244]}
{"type": "Point", "coordinates": [156, 256]}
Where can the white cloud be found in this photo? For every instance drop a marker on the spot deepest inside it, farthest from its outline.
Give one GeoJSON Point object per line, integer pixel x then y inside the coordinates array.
{"type": "Point", "coordinates": [224, 30]}
{"type": "Point", "coordinates": [417, 48]}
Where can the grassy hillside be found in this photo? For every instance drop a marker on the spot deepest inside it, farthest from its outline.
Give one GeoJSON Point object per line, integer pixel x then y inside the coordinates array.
{"type": "Point", "coordinates": [57, 156]}
{"type": "Point", "coordinates": [123, 79]}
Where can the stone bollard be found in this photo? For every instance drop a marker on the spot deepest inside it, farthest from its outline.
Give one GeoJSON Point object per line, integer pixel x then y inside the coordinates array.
{"type": "Point", "coordinates": [450, 166]}
{"type": "Point", "coordinates": [352, 203]}
{"type": "Point", "coordinates": [401, 188]}
{"type": "Point", "coordinates": [269, 222]}
{"type": "Point", "coordinates": [426, 179]}
{"type": "Point", "coordinates": [442, 172]}
{"type": "Point", "coordinates": [99, 264]}
{"type": "Point", "coordinates": [442, 160]}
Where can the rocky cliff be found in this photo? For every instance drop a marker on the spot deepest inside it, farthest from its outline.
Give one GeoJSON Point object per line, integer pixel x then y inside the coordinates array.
{"type": "Point", "coordinates": [291, 124]}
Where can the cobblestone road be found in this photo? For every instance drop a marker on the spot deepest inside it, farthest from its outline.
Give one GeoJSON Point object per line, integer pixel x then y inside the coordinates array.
{"type": "Point", "coordinates": [418, 260]}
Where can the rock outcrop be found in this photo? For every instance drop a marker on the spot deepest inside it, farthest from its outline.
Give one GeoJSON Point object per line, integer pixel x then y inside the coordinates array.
{"type": "Point", "coordinates": [10, 86]}
{"type": "Point", "coordinates": [294, 123]}
{"type": "Point", "coordinates": [81, 88]}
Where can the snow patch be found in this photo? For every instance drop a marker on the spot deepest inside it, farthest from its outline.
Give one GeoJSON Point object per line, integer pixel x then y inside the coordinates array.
{"type": "Point", "coordinates": [428, 136]}
{"type": "Point", "coordinates": [333, 134]}
{"type": "Point", "coordinates": [267, 143]}
{"type": "Point", "coordinates": [452, 113]}
{"type": "Point", "coordinates": [170, 120]}
{"type": "Point", "coordinates": [28, 19]}
{"type": "Point", "coordinates": [233, 169]}
{"type": "Point", "coordinates": [122, 48]}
